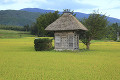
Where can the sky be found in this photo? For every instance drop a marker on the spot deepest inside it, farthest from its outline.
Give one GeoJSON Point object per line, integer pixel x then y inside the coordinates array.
{"type": "Point", "coordinates": [110, 8]}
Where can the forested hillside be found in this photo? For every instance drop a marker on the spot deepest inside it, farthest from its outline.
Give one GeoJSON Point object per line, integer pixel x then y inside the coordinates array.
{"type": "Point", "coordinates": [28, 16]}
{"type": "Point", "coordinates": [79, 15]}
{"type": "Point", "coordinates": [17, 17]}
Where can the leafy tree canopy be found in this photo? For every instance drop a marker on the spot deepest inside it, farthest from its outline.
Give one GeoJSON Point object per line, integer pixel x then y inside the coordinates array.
{"type": "Point", "coordinates": [96, 24]}
{"type": "Point", "coordinates": [43, 21]}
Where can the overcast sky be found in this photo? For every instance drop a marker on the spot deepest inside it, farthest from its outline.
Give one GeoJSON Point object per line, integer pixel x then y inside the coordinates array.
{"type": "Point", "coordinates": [109, 7]}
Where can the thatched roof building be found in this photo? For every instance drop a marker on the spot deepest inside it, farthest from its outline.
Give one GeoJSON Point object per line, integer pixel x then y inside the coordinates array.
{"type": "Point", "coordinates": [65, 28]}
{"type": "Point", "coordinates": [66, 22]}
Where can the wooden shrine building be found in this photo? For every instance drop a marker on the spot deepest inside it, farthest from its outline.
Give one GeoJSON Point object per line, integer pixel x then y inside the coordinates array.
{"type": "Point", "coordinates": [66, 28]}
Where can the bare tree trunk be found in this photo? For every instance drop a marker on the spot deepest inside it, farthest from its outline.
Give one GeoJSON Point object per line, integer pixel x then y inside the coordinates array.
{"type": "Point", "coordinates": [88, 46]}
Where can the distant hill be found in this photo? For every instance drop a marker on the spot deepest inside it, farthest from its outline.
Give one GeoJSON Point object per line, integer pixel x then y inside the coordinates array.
{"type": "Point", "coordinates": [114, 20]}
{"type": "Point", "coordinates": [17, 17]}
{"type": "Point", "coordinates": [37, 10]}
{"type": "Point", "coordinates": [79, 15]}
{"type": "Point", "coordinates": [29, 15]}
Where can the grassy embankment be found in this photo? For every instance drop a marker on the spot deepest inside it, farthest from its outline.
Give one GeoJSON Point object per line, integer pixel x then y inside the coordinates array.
{"type": "Point", "coordinates": [19, 61]}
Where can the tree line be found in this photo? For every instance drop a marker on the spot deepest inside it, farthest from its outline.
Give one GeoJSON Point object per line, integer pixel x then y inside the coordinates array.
{"type": "Point", "coordinates": [16, 28]}
{"type": "Point", "coordinates": [111, 31]}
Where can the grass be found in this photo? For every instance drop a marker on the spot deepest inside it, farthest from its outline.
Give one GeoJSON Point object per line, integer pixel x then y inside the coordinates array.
{"type": "Point", "coordinates": [14, 34]}
{"type": "Point", "coordinates": [19, 61]}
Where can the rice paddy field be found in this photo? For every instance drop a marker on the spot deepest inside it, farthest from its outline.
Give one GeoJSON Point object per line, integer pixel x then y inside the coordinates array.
{"type": "Point", "coordinates": [19, 61]}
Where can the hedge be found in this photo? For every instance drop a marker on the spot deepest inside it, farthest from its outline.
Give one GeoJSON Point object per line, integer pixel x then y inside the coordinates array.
{"type": "Point", "coordinates": [41, 44]}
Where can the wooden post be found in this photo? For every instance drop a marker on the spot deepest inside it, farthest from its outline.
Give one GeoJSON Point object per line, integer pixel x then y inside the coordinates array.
{"type": "Point", "coordinates": [54, 41]}
{"type": "Point", "coordinates": [73, 40]}
{"type": "Point", "coordinates": [78, 41]}
{"type": "Point", "coordinates": [117, 36]}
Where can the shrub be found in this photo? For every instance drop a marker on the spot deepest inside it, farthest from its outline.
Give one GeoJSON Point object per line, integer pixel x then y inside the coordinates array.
{"type": "Point", "coordinates": [41, 44]}
{"type": "Point", "coordinates": [118, 41]}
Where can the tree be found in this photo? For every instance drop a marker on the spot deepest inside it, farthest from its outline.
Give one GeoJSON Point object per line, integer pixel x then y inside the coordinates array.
{"type": "Point", "coordinates": [110, 33]}
{"type": "Point", "coordinates": [43, 21]}
{"type": "Point", "coordinates": [33, 29]}
{"type": "Point", "coordinates": [26, 27]}
{"type": "Point", "coordinates": [115, 26]}
{"type": "Point", "coordinates": [68, 10]}
{"type": "Point", "coordinates": [96, 24]}
{"type": "Point", "coordinates": [116, 29]}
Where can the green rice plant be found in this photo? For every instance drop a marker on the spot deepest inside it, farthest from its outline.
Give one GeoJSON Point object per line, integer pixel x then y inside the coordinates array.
{"type": "Point", "coordinates": [19, 61]}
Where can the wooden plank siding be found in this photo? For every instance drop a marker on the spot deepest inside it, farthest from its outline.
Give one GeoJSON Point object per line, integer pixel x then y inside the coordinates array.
{"type": "Point", "coordinates": [66, 40]}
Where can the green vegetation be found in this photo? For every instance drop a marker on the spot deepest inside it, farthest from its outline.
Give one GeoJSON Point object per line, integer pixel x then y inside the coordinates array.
{"type": "Point", "coordinates": [96, 25]}
{"type": "Point", "coordinates": [19, 61]}
{"type": "Point", "coordinates": [42, 22]}
{"type": "Point", "coordinates": [14, 34]}
{"type": "Point", "coordinates": [111, 31]}
{"type": "Point", "coordinates": [17, 17]}
{"type": "Point", "coordinates": [42, 44]}
{"type": "Point", "coordinates": [13, 27]}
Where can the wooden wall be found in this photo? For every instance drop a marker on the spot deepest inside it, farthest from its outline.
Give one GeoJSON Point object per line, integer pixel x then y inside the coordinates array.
{"type": "Point", "coordinates": [66, 40]}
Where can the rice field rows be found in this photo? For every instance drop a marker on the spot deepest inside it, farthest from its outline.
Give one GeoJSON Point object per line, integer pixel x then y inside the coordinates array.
{"type": "Point", "coordinates": [19, 61]}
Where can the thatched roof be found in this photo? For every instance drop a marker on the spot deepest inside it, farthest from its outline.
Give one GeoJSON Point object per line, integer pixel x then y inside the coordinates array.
{"type": "Point", "coordinates": [66, 22]}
